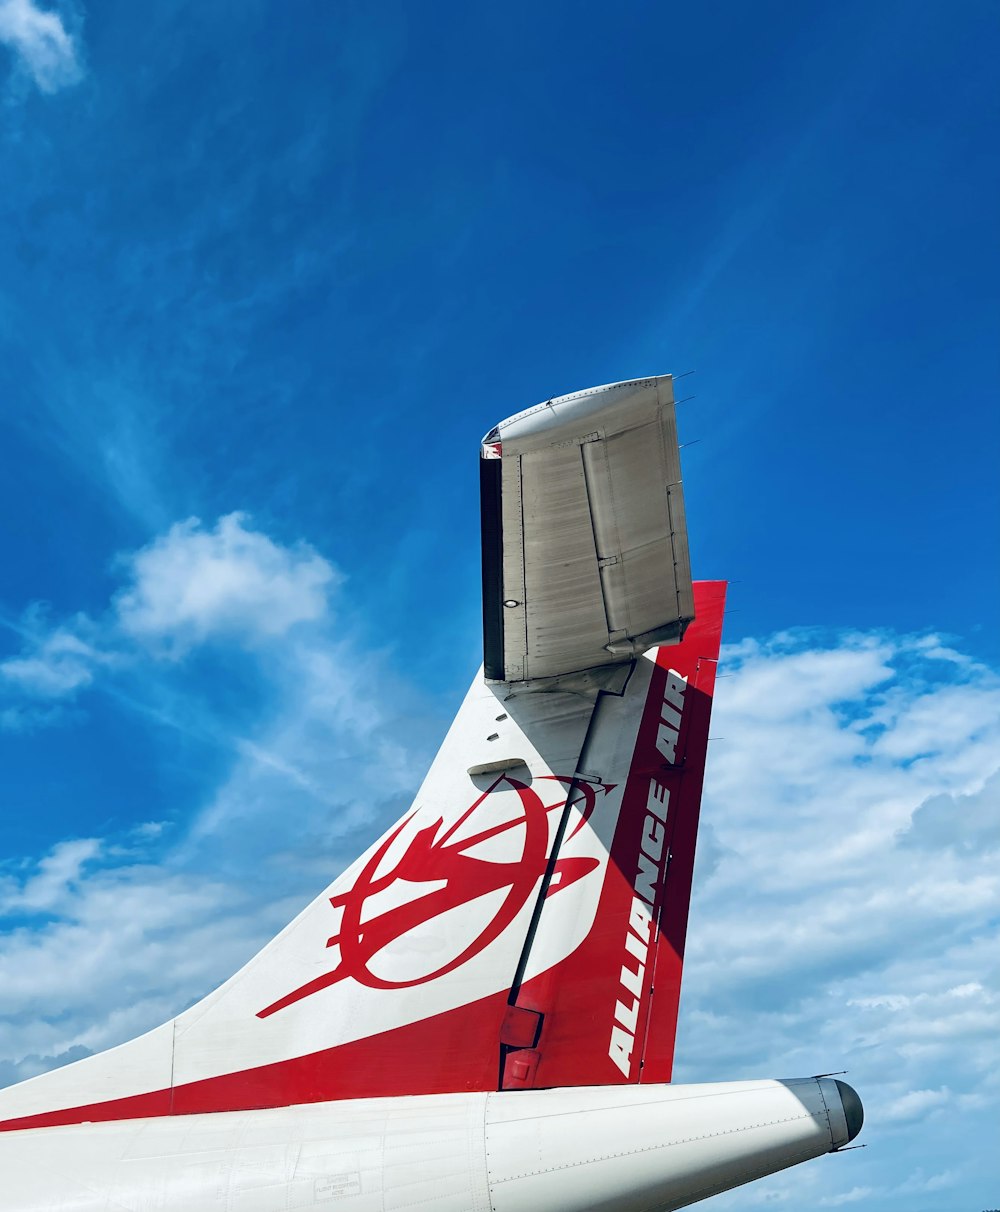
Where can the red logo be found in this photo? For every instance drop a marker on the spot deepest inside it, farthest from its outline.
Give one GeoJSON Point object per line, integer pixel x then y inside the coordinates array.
{"type": "Point", "coordinates": [432, 859]}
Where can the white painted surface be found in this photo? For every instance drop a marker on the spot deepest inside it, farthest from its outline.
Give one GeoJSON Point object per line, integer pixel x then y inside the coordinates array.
{"type": "Point", "coordinates": [571, 1150]}
{"type": "Point", "coordinates": [222, 1033]}
{"type": "Point", "coordinates": [644, 1147]}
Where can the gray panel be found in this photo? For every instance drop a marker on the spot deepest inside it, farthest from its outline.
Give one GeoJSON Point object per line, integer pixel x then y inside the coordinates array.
{"type": "Point", "coordinates": [566, 623]}
{"type": "Point", "coordinates": [514, 637]}
{"type": "Point", "coordinates": [595, 558]}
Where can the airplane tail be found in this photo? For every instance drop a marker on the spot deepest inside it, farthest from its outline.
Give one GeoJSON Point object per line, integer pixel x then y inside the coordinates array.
{"type": "Point", "coordinates": [602, 968]}
{"type": "Point", "coordinates": [523, 924]}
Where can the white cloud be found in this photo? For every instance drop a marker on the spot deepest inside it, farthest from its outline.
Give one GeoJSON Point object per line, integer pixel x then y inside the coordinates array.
{"type": "Point", "coordinates": [967, 822]}
{"type": "Point", "coordinates": [847, 1197]}
{"type": "Point", "coordinates": [126, 950]}
{"type": "Point", "coordinates": [47, 887]}
{"type": "Point", "coordinates": [193, 583]}
{"type": "Point", "coordinates": [847, 914]}
{"type": "Point", "coordinates": [44, 48]}
{"type": "Point", "coordinates": [55, 665]}
{"type": "Point", "coordinates": [915, 1104]}
{"type": "Point", "coordinates": [190, 586]}
{"type": "Point", "coordinates": [936, 1182]}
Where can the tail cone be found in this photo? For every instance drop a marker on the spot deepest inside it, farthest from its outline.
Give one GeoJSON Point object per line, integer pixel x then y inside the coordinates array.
{"type": "Point", "coordinates": [854, 1112]}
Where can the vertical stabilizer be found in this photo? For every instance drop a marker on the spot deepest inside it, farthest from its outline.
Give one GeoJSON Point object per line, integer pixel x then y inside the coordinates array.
{"type": "Point", "coordinates": [523, 923]}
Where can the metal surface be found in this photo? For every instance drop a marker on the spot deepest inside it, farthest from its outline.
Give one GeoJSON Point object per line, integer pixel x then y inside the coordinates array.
{"type": "Point", "coordinates": [627, 1149]}
{"type": "Point", "coordinates": [589, 523]}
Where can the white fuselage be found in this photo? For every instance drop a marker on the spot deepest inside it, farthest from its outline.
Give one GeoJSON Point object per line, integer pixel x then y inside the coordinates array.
{"type": "Point", "coordinates": [631, 1149]}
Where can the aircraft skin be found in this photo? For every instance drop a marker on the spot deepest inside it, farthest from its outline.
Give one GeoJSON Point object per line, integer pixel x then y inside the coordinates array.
{"type": "Point", "coordinates": [479, 1014]}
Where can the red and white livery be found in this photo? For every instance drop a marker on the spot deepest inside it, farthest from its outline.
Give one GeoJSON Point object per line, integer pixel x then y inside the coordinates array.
{"type": "Point", "coordinates": [479, 1014]}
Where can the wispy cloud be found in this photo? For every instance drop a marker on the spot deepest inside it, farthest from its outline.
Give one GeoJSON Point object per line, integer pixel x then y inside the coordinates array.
{"type": "Point", "coordinates": [54, 664]}
{"type": "Point", "coordinates": [43, 47]}
{"type": "Point", "coordinates": [847, 1197]}
{"type": "Point", "coordinates": [268, 605]}
{"type": "Point", "coordinates": [50, 881]}
{"type": "Point", "coordinates": [916, 1104]}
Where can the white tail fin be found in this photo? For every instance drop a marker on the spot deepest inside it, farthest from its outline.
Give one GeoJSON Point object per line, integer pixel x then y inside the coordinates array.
{"type": "Point", "coordinates": [523, 924]}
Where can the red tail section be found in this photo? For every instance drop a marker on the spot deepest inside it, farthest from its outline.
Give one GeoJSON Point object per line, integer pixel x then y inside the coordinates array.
{"type": "Point", "coordinates": [608, 1012]}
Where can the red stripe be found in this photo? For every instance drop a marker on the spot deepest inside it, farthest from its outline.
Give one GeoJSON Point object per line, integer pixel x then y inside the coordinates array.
{"type": "Point", "coordinates": [454, 1051]}
{"type": "Point", "coordinates": [704, 637]}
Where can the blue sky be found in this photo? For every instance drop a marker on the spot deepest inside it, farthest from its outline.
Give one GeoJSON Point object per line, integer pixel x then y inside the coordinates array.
{"type": "Point", "coordinates": [267, 275]}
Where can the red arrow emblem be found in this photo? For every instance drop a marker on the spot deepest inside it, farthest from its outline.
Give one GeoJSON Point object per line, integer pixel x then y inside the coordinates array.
{"type": "Point", "coordinates": [433, 859]}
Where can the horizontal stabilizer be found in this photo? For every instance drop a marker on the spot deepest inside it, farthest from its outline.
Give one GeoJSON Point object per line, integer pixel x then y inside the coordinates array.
{"type": "Point", "coordinates": [585, 555]}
